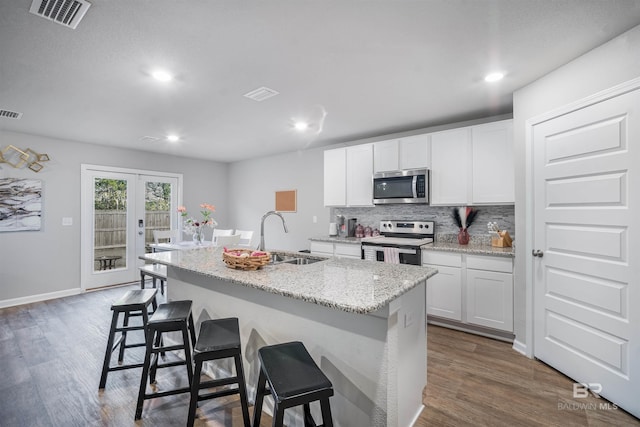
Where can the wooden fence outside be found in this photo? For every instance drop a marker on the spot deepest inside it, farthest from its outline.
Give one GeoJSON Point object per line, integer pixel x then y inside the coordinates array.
{"type": "Point", "coordinates": [111, 228]}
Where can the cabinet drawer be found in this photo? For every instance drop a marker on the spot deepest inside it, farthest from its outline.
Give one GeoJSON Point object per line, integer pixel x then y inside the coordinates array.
{"type": "Point", "coordinates": [348, 250]}
{"type": "Point", "coordinates": [441, 258]}
{"type": "Point", "coordinates": [324, 248]}
{"type": "Point", "coordinates": [479, 262]}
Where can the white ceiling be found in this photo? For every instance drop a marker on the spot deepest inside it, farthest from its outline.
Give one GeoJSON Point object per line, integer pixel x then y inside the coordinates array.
{"type": "Point", "coordinates": [374, 67]}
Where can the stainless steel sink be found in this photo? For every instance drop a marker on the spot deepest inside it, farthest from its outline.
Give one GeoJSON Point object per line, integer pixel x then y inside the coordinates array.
{"type": "Point", "coordinates": [277, 258]}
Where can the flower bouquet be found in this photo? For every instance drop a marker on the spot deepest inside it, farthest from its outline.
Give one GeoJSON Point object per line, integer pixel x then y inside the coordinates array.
{"type": "Point", "coordinates": [196, 227]}
{"type": "Point", "coordinates": [464, 217]}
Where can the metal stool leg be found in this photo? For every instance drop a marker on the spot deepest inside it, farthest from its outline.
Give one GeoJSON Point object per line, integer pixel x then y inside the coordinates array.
{"type": "Point", "coordinates": [107, 354]}
{"type": "Point", "coordinates": [145, 372]}
{"type": "Point", "coordinates": [260, 392]}
{"type": "Point", "coordinates": [195, 386]}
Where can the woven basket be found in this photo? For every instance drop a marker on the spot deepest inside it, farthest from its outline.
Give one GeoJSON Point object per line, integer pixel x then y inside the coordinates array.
{"type": "Point", "coordinates": [245, 263]}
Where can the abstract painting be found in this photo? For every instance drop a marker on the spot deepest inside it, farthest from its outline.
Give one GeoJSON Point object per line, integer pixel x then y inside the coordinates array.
{"type": "Point", "coordinates": [20, 204]}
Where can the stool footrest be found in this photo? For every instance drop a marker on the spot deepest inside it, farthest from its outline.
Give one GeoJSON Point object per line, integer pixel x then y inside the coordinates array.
{"type": "Point", "coordinates": [167, 348]}
{"type": "Point", "coordinates": [123, 367]}
{"type": "Point", "coordinates": [218, 383]}
{"type": "Point", "coordinates": [216, 394]}
{"type": "Point", "coordinates": [168, 393]}
{"type": "Point", "coordinates": [129, 328]}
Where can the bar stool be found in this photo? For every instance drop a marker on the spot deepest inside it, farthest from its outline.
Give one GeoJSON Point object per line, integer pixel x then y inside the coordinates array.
{"type": "Point", "coordinates": [157, 272]}
{"type": "Point", "coordinates": [218, 339]}
{"type": "Point", "coordinates": [132, 304]}
{"type": "Point", "coordinates": [294, 379]}
{"type": "Point", "coordinates": [174, 316]}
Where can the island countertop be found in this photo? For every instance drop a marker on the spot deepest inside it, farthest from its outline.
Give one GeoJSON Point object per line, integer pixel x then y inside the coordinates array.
{"type": "Point", "coordinates": [356, 286]}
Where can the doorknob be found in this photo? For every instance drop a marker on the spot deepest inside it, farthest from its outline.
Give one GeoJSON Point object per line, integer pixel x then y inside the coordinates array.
{"type": "Point", "coordinates": [537, 253]}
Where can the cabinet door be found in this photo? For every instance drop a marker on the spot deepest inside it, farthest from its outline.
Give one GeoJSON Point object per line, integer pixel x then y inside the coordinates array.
{"type": "Point", "coordinates": [360, 175]}
{"type": "Point", "coordinates": [444, 293]}
{"type": "Point", "coordinates": [493, 164]}
{"type": "Point", "coordinates": [450, 165]}
{"type": "Point", "coordinates": [414, 152]}
{"type": "Point", "coordinates": [385, 156]}
{"type": "Point", "coordinates": [335, 177]}
{"type": "Point", "coordinates": [321, 248]}
{"type": "Point", "coordinates": [490, 299]}
{"type": "Point", "coordinates": [348, 250]}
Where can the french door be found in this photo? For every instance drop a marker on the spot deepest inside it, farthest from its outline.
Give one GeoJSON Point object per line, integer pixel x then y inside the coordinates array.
{"type": "Point", "coordinates": [120, 210]}
{"type": "Point", "coordinates": [587, 248]}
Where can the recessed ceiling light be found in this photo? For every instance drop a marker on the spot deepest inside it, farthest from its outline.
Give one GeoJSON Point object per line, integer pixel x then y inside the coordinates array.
{"type": "Point", "coordinates": [301, 126]}
{"type": "Point", "coordinates": [162, 76]}
{"type": "Point", "coordinates": [493, 77]}
{"type": "Point", "coordinates": [173, 138]}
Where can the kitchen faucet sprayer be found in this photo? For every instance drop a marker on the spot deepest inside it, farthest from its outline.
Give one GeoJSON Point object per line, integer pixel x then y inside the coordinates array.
{"type": "Point", "coordinates": [284, 225]}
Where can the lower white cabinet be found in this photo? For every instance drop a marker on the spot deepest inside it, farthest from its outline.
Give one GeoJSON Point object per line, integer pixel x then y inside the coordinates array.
{"type": "Point", "coordinates": [343, 250]}
{"type": "Point", "coordinates": [471, 289]}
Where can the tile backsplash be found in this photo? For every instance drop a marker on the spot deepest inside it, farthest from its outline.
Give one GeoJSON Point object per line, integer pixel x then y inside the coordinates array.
{"type": "Point", "coordinates": [441, 215]}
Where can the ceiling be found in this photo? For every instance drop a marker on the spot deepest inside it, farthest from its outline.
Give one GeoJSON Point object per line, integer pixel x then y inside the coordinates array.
{"type": "Point", "coordinates": [367, 67]}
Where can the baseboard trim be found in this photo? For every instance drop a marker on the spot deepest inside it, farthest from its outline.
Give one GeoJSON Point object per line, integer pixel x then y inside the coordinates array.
{"type": "Point", "coordinates": [520, 347]}
{"type": "Point", "coordinates": [472, 329]}
{"type": "Point", "coordinates": [40, 297]}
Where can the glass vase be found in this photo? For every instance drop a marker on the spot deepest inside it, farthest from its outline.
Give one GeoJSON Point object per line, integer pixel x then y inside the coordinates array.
{"type": "Point", "coordinates": [198, 236]}
{"type": "Point", "coordinates": [463, 237]}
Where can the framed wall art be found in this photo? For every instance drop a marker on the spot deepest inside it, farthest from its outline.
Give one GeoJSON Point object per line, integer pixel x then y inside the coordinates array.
{"type": "Point", "coordinates": [20, 204]}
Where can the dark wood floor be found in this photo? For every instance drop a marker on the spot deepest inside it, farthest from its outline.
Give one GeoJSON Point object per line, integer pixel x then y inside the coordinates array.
{"type": "Point", "coordinates": [51, 355]}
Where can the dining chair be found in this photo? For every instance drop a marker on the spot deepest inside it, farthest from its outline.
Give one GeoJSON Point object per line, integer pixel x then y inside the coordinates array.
{"type": "Point", "coordinates": [228, 241]}
{"type": "Point", "coordinates": [246, 238]}
{"type": "Point", "coordinates": [165, 236]}
{"type": "Point", "coordinates": [217, 232]}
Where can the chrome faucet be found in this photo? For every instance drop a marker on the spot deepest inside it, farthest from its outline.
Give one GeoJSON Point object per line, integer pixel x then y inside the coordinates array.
{"type": "Point", "coordinates": [284, 224]}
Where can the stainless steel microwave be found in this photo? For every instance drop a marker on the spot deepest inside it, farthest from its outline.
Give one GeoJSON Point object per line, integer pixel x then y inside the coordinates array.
{"type": "Point", "coordinates": [399, 187]}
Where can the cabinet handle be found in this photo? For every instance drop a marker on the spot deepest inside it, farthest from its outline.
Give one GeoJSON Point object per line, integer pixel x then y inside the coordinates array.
{"type": "Point", "coordinates": [537, 253]}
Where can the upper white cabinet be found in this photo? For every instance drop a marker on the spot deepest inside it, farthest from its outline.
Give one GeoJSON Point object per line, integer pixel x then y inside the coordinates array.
{"type": "Point", "coordinates": [335, 177]}
{"type": "Point", "coordinates": [492, 163]}
{"type": "Point", "coordinates": [411, 152]}
{"type": "Point", "coordinates": [347, 176]}
{"type": "Point", "coordinates": [473, 165]}
{"type": "Point", "coordinates": [450, 167]}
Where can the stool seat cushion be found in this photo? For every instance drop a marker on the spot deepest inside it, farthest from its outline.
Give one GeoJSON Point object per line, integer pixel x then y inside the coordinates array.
{"type": "Point", "coordinates": [134, 298]}
{"type": "Point", "coordinates": [290, 370]}
{"type": "Point", "coordinates": [218, 334]}
{"type": "Point", "coordinates": [174, 311]}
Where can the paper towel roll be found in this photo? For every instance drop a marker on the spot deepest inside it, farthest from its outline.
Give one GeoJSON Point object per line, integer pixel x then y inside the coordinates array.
{"type": "Point", "coordinates": [333, 229]}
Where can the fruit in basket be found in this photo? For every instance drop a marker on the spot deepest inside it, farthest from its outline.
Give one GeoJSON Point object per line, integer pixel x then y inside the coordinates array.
{"type": "Point", "coordinates": [258, 253]}
{"type": "Point", "coordinates": [244, 255]}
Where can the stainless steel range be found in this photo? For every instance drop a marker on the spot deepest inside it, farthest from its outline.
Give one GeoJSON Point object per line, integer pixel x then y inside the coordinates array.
{"type": "Point", "coordinates": [399, 242]}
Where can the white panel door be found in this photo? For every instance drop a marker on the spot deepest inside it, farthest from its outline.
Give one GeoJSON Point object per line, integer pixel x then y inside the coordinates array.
{"type": "Point", "coordinates": [586, 283]}
{"type": "Point", "coordinates": [444, 293]}
{"type": "Point", "coordinates": [490, 299]}
{"type": "Point", "coordinates": [414, 152]}
{"type": "Point", "coordinates": [385, 155]}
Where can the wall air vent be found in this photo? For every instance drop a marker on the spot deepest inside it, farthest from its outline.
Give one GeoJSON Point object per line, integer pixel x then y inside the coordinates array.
{"type": "Point", "coordinates": [149, 139]}
{"type": "Point", "coordinates": [6, 114]}
{"type": "Point", "coordinates": [64, 12]}
{"type": "Point", "coordinates": [261, 94]}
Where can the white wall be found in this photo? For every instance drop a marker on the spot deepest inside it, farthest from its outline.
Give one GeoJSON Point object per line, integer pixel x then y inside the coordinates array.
{"type": "Point", "coordinates": [46, 261]}
{"type": "Point", "coordinates": [252, 187]}
{"type": "Point", "coordinates": [613, 63]}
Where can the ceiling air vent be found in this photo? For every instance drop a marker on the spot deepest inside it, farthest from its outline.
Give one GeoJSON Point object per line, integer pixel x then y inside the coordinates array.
{"type": "Point", "coordinates": [6, 114]}
{"type": "Point", "coordinates": [64, 12]}
{"type": "Point", "coordinates": [149, 139]}
{"type": "Point", "coordinates": [261, 94]}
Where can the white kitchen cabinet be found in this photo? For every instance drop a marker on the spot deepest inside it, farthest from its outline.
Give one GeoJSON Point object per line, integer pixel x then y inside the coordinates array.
{"type": "Point", "coordinates": [490, 299]}
{"type": "Point", "coordinates": [341, 250]}
{"type": "Point", "coordinates": [471, 289]}
{"type": "Point", "coordinates": [360, 175]}
{"type": "Point", "coordinates": [414, 152]}
{"type": "Point", "coordinates": [473, 165]}
{"type": "Point", "coordinates": [335, 177]}
{"type": "Point", "coordinates": [386, 155]}
{"type": "Point", "coordinates": [492, 163]}
{"type": "Point", "coordinates": [410, 152]}
{"type": "Point", "coordinates": [348, 175]}
{"type": "Point", "coordinates": [450, 167]}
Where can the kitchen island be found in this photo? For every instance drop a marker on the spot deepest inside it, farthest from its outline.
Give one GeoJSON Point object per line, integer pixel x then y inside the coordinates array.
{"type": "Point", "coordinates": [363, 322]}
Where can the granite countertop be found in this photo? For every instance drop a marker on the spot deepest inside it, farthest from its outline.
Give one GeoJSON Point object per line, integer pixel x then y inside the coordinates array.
{"type": "Point", "coordinates": [350, 285]}
{"type": "Point", "coordinates": [446, 244]}
{"type": "Point", "coordinates": [472, 249]}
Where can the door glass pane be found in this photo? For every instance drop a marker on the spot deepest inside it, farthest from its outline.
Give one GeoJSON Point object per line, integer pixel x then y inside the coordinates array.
{"type": "Point", "coordinates": [110, 224]}
{"type": "Point", "coordinates": [157, 206]}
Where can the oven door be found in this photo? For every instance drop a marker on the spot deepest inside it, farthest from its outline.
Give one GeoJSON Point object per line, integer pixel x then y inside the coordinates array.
{"type": "Point", "coordinates": [394, 254]}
